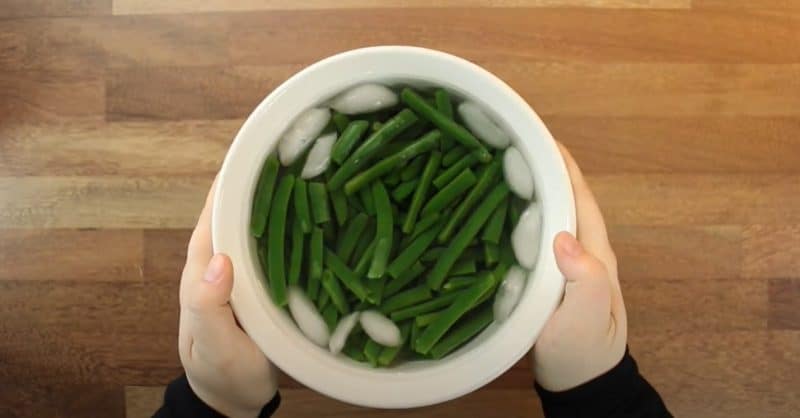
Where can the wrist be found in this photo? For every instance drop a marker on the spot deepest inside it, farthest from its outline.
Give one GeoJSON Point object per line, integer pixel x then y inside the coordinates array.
{"type": "Point", "coordinates": [220, 404]}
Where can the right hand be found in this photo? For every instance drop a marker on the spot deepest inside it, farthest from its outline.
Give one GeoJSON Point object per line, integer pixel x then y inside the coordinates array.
{"type": "Point", "coordinates": [587, 334]}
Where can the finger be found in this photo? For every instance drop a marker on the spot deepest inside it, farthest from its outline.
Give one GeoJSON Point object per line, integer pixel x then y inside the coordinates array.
{"type": "Point", "coordinates": [591, 226]}
{"type": "Point", "coordinates": [200, 242]}
{"type": "Point", "coordinates": [588, 289]}
{"type": "Point", "coordinates": [208, 315]}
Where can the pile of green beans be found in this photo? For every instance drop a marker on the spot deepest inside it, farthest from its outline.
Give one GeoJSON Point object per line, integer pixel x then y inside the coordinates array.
{"type": "Point", "coordinates": [413, 219]}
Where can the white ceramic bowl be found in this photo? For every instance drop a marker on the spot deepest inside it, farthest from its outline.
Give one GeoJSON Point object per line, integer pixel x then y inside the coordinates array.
{"type": "Point", "coordinates": [415, 383]}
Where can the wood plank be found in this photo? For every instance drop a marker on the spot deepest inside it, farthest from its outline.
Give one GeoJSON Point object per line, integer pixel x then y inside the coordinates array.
{"type": "Point", "coordinates": [143, 401]}
{"type": "Point", "coordinates": [681, 144]}
{"type": "Point", "coordinates": [68, 254]}
{"type": "Point", "coordinates": [122, 7]}
{"type": "Point", "coordinates": [716, 375]}
{"type": "Point", "coordinates": [36, 8]}
{"type": "Point", "coordinates": [107, 202]}
{"type": "Point", "coordinates": [659, 306]}
{"type": "Point", "coordinates": [654, 199]}
{"type": "Point", "coordinates": [165, 253]}
{"type": "Point", "coordinates": [676, 252]}
{"type": "Point", "coordinates": [784, 298]}
{"type": "Point", "coordinates": [36, 96]}
{"type": "Point", "coordinates": [745, 4]}
{"type": "Point", "coordinates": [23, 400]}
{"type": "Point", "coordinates": [772, 251]}
{"type": "Point", "coordinates": [54, 44]}
{"type": "Point", "coordinates": [116, 149]}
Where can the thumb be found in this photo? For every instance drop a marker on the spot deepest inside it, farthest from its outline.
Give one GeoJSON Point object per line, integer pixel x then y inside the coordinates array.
{"type": "Point", "coordinates": [210, 316]}
{"type": "Point", "coordinates": [588, 288]}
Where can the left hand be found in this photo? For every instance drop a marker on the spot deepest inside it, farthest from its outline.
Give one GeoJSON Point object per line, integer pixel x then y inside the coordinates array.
{"type": "Point", "coordinates": [224, 366]}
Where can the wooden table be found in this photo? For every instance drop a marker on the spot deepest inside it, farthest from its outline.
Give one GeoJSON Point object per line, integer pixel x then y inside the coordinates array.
{"type": "Point", "coordinates": [115, 115]}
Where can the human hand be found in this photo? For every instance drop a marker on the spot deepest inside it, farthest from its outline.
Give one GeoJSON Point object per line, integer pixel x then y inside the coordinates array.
{"type": "Point", "coordinates": [223, 365]}
{"type": "Point", "coordinates": [587, 334]}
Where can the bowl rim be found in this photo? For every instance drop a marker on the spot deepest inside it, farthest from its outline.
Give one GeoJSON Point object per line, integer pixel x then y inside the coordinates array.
{"type": "Point", "coordinates": [419, 383]}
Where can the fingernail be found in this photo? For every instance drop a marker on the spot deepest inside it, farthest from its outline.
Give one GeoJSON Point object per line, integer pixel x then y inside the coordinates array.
{"type": "Point", "coordinates": [570, 245]}
{"type": "Point", "coordinates": [214, 271]}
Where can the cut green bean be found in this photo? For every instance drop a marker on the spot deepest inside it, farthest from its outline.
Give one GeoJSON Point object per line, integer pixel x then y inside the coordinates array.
{"type": "Point", "coordinates": [494, 227]}
{"type": "Point", "coordinates": [324, 299]}
{"type": "Point", "coordinates": [347, 276]}
{"type": "Point", "coordinates": [451, 192]}
{"type": "Point", "coordinates": [445, 124]}
{"type": "Point", "coordinates": [392, 179]}
{"type": "Point", "coordinates": [366, 151]}
{"type": "Point", "coordinates": [340, 209]}
{"type": "Point", "coordinates": [491, 254]}
{"type": "Point", "coordinates": [350, 237]}
{"type": "Point", "coordinates": [412, 337]}
{"type": "Point", "coordinates": [406, 298]}
{"type": "Point", "coordinates": [404, 279]}
{"type": "Point", "coordinates": [385, 230]}
{"type": "Point", "coordinates": [263, 197]}
{"type": "Point", "coordinates": [375, 289]}
{"type": "Point", "coordinates": [424, 320]}
{"type": "Point", "coordinates": [515, 209]}
{"type": "Point", "coordinates": [318, 196]}
{"type": "Point", "coordinates": [315, 263]}
{"type": "Point", "coordinates": [355, 353]}
{"type": "Point", "coordinates": [442, 301]}
{"type": "Point", "coordinates": [362, 266]}
{"type": "Point", "coordinates": [301, 210]}
{"type": "Point", "coordinates": [453, 156]}
{"type": "Point", "coordinates": [445, 106]}
{"type": "Point", "coordinates": [463, 267]}
{"type": "Point", "coordinates": [296, 256]}
{"type": "Point", "coordinates": [331, 285]}
{"type": "Point", "coordinates": [376, 126]}
{"type": "Point", "coordinates": [487, 179]}
{"type": "Point", "coordinates": [331, 316]}
{"type": "Point", "coordinates": [348, 140]}
{"type": "Point", "coordinates": [365, 195]}
{"type": "Point", "coordinates": [404, 190]}
{"type": "Point", "coordinates": [467, 233]}
{"type": "Point", "coordinates": [384, 166]}
{"type": "Point", "coordinates": [354, 346]}
{"type": "Point", "coordinates": [341, 121]}
{"type": "Point", "coordinates": [388, 354]}
{"type": "Point", "coordinates": [413, 169]}
{"type": "Point", "coordinates": [371, 351]}
{"type": "Point", "coordinates": [459, 282]}
{"type": "Point", "coordinates": [432, 254]}
{"type": "Point", "coordinates": [448, 175]}
{"type": "Point", "coordinates": [422, 191]}
{"type": "Point", "coordinates": [461, 305]}
{"type": "Point", "coordinates": [426, 223]}
{"type": "Point", "coordinates": [329, 231]}
{"type": "Point", "coordinates": [277, 234]}
{"type": "Point", "coordinates": [463, 332]}
{"type": "Point", "coordinates": [412, 253]}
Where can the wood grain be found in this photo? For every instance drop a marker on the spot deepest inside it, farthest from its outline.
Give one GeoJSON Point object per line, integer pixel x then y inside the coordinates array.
{"type": "Point", "coordinates": [61, 401]}
{"type": "Point", "coordinates": [37, 8]}
{"type": "Point", "coordinates": [784, 298]}
{"type": "Point", "coordinates": [45, 96]}
{"type": "Point", "coordinates": [745, 4]}
{"type": "Point", "coordinates": [772, 250]}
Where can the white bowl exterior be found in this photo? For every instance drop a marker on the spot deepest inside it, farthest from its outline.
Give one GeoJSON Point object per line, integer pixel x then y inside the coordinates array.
{"type": "Point", "coordinates": [412, 384]}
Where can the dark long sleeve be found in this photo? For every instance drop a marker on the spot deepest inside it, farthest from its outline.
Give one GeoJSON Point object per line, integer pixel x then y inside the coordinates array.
{"type": "Point", "coordinates": [180, 401]}
{"type": "Point", "coordinates": [620, 392]}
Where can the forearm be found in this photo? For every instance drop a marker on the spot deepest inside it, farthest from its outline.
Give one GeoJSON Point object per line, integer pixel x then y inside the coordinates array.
{"type": "Point", "coordinates": [180, 401]}
{"type": "Point", "coordinates": [620, 392]}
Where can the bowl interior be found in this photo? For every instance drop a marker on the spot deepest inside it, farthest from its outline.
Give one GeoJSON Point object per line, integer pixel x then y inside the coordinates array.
{"type": "Point", "coordinates": [419, 382]}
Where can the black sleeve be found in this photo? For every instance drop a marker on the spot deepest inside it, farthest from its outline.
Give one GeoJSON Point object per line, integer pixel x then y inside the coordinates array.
{"type": "Point", "coordinates": [180, 401]}
{"type": "Point", "coordinates": [620, 392]}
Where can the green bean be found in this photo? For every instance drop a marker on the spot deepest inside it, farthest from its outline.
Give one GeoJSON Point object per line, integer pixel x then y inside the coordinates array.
{"type": "Point", "coordinates": [319, 202]}
{"type": "Point", "coordinates": [277, 234]}
{"type": "Point", "coordinates": [463, 332]}
{"type": "Point", "coordinates": [422, 191]}
{"type": "Point", "coordinates": [412, 338]}
{"type": "Point", "coordinates": [261, 251]}
{"type": "Point", "coordinates": [441, 301]}
{"type": "Point", "coordinates": [354, 346]}
{"type": "Point", "coordinates": [341, 121]}
{"type": "Point", "coordinates": [388, 354]}
{"type": "Point", "coordinates": [461, 305]}
{"type": "Point", "coordinates": [491, 253]}
{"type": "Point", "coordinates": [453, 156]}
{"type": "Point", "coordinates": [404, 279]}
{"type": "Point", "coordinates": [351, 235]}
{"type": "Point", "coordinates": [366, 151]}
{"type": "Point", "coordinates": [354, 202]}
{"type": "Point", "coordinates": [263, 198]}
{"type": "Point", "coordinates": [354, 353]}
{"type": "Point", "coordinates": [376, 126]}
{"type": "Point", "coordinates": [371, 351]}
{"type": "Point", "coordinates": [362, 266]}
{"type": "Point", "coordinates": [384, 232]}
{"type": "Point", "coordinates": [515, 209]}
{"type": "Point", "coordinates": [296, 257]}
{"type": "Point", "coordinates": [413, 169]}
{"type": "Point", "coordinates": [322, 302]}
{"type": "Point", "coordinates": [329, 231]}
{"type": "Point", "coordinates": [443, 104]}
{"type": "Point", "coordinates": [416, 129]}
{"type": "Point", "coordinates": [486, 180]}
{"type": "Point", "coordinates": [426, 222]}
{"type": "Point", "coordinates": [393, 148]}
{"type": "Point", "coordinates": [347, 276]}
{"type": "Point", "coordinates": [463, 238]}
{"type": "Point", "coordinates": [463, 267]}
{"type": "Point", "coordinates": [448, 175]}
{"type": "Point", "coordinates": [450, 193]}
{"type": "Point", "coordinates": [458, 282]}
{"type": "Point", "coordinates": [331, 317]}
{"type": "Point", "coordinates": [392, 179]}
{"type": "Point", "coordinates": [315, 259]}
{"type": "Point", "coordinates": [404, 190]}
{"type": "Point", "coordinates": [494, 228]}
{"type": "Point", "coordinates": [424, 144]}
{"type": "Point", "coordinates": [348, 140]}
{"type": "Point", "coordinates": [445, 124]}
{"type": "Point", "coordinates": [302, 213]}
{"type": "Point", "coordinates": [424, 320]}
{"type": "Point", "coordinates": [375, 289]}
{"type": "Point", "coordinates": [412, 253]}
{"type": "Point", "coordinates": [340, 209]}
{"type": "Point", "coordinates": [331, 285]}
{"type": "Point", "coordinates": [365, 195]}
{"type": "Point", "coordinates": [432, 254]}
{"type": "Point", "coordinates": [406, 298]}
